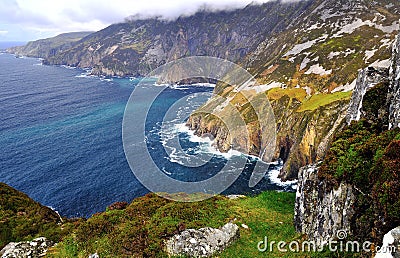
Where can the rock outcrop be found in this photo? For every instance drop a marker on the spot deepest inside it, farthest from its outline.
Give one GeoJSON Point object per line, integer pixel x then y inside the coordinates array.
{"type": "Point", "coordinates": [390, 247]}
{"type": "Point", "coordinates": [394, 92]}
{"type": "Point", "coordinates": [203, 242]}
{"type": "Point", "coordinates": [367, 79]}
{"type": "Point", "coordinates": [35, 248]}
{"type": "Point", "coordinates": [320, 211]}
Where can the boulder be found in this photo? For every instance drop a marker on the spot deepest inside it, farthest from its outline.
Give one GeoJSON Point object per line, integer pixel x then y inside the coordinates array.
{"type": "Point", "coordinates": [391, 245]}
{"type": "Point", "coordinates": [203, 242]}
{"type": "Point", "coordinates": [35, 248]}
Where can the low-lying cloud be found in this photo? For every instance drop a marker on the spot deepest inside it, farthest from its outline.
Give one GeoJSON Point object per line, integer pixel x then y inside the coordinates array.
{"type": "Point", "coordinates": [27, 19]}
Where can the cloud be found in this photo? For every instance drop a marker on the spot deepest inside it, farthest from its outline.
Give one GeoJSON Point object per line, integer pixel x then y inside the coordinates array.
{"type": "Point", "coordinates": [48, 17]}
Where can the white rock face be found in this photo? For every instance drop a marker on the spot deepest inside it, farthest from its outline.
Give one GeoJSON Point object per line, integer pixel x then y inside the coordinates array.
{"type": "Point", "coordinates": [391, 245]}
{"type": "Point", "coordinates": [35, 248]}
{"type": "Point", "coordinates": [203, 242]}
{"type": "Point", "coordinates": [319, 212]}
{"type": "Point", "coordinates": [367, 79]}
{"type": "Point", "coordinates": [318, 69]}
{"type": "Point", "coordinates": [394, 98]}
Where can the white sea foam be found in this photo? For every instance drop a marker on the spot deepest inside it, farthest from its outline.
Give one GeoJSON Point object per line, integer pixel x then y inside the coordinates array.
{"type": "Point", "coordinates": [68, 67]}
{"type": "Point", "coordinates": [273, 175]}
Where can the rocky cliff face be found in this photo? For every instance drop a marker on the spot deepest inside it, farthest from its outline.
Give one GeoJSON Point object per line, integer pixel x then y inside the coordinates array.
{"type": "Point", "coordinates": [367, 79]}
{"type": "Point", "coordinates": [138, 46]}
{"type": "Point", "coordinates": [321, 212]}
{"type": "Point", "coordinates": [308, 72]}
{"type": "Point", "coordinates": [347, 195]}
{"type": "Point", "coordinates": [394, 97]}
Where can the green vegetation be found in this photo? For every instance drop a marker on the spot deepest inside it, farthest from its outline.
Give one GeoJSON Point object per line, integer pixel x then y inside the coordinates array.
{"type": "Point", "coordinates": [140, 229]}
{"type": "Point", "coordinates": [368, 158]}
{"type": "Point", "coordinates": [277, 93]}
{"type": "Point", "coordinates": [318, 100]}
{"type": "Point", "coordinates": [269, 214]}
{"type": "Point", "coordinates": [21, 218]}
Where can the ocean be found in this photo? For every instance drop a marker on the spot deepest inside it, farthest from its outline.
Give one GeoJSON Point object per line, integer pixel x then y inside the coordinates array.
{"type": "Point", "coordinates": [61, 138]}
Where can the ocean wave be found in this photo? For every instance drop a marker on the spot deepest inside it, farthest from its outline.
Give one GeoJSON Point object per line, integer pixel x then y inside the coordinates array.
{"type": "Point", "coordinates": [273, 176]}
{"type": "Point", "coordinates": [68, 67]}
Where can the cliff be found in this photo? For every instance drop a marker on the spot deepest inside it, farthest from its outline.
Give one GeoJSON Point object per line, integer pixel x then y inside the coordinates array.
{"type": "Point", "coordinates": [308, 72]}
{"type": "Point", "coordinates": [394, 96]}
{"type": "Point", "coordinates": [356, 188]}
{"type": "Point", "coordinates": [137, 46]}
{"type": "Point", "coordinates": [321, 212]}
{"type": "Point", "coordinates": [44, 48]}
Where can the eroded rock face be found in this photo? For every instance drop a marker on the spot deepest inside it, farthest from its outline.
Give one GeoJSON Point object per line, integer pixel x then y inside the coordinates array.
{"type": "Point", "coordinates": [203, 242]}
{"type": "Point", "coordinates": [35, 248]}
{"type": "Point", "coordinates": [367, 79]}
{"type": "Point", "coordinates": [320, 212]}
{"type": "Point", "coordinates": [390, 245]}
{"type": "Point", "coordinates": [394, 91]}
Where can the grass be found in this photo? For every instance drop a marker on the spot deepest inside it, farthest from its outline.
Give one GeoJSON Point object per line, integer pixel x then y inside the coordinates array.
{"type": "Point", "coordinates": [21, 218]}
{"type": "Point", "coordinates": [318, 100]}
{"type": "Point", "coordinates": [140, 229]}
{"type": "Point", "coordinates": [277, 93]}
{"type": "Point", "coordinates": [269, 214]}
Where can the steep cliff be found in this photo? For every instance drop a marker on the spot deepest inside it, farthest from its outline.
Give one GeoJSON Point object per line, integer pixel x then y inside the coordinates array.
{"type": "Point", "coordinates": [308, 72]}
{"type": "Point", "coordinates": [44, 48]}
{"type": "Point", "coordinates": [394, 97]}
{"type": "Point", "coordinates": [356, 188]}
{"type": "Point", "coordinates": [321, 212]}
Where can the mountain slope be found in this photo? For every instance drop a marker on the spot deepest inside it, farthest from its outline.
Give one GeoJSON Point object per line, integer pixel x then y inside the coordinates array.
{"type": "Point", "coordinates": [47, 47]}
{"type": "Point", "coordinates": [138, 46]}
{"type": "Point", "coordinates": [309, 71]}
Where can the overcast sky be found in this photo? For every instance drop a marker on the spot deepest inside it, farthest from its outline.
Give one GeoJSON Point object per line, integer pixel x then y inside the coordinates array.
{"type": "Point", "coordinates": [23, 20]}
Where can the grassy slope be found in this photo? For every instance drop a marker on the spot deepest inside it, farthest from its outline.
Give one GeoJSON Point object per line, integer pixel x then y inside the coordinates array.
{"type": "Point", "coordinates": [140, 229]}
{"type": "Point", "coordinates": [21, 218]}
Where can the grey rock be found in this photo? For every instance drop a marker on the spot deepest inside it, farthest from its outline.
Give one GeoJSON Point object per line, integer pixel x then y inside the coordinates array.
{"type": "Point", "coordinates": [203, 242]}
{"type": "Point", "coordinates": [394, 91]}
{"type": "Point", "coordinates": [95, 255]}
{"type": "Point", "coordinates": [320, 212]}
{"type": "Point", "coordinates": [35, 248]}
{"type": "Point", "coordinates": [235, 196]}
{"type": "Point", "coordinates": [390, 245]}
{"type": "Point", "coordinates": [367, 79]}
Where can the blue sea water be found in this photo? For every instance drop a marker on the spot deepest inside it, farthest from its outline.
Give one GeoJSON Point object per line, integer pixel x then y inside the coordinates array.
{"type": "Point", "coordinates": [61, 138]}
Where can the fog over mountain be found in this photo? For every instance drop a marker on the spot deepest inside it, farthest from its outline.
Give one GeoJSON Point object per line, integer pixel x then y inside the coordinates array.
{"type": "Point", "coordinates": [23, 20]}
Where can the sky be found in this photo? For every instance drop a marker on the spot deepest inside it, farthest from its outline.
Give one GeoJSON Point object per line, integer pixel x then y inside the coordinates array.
{"type": "Point", "coordinates": [24, 20]}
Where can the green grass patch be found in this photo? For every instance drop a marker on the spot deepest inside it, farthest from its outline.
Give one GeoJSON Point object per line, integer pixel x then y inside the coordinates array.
{"type": "Point", "coordinates": [319, 100]}
{"type": "Point", "coordinates": [270, 215]}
